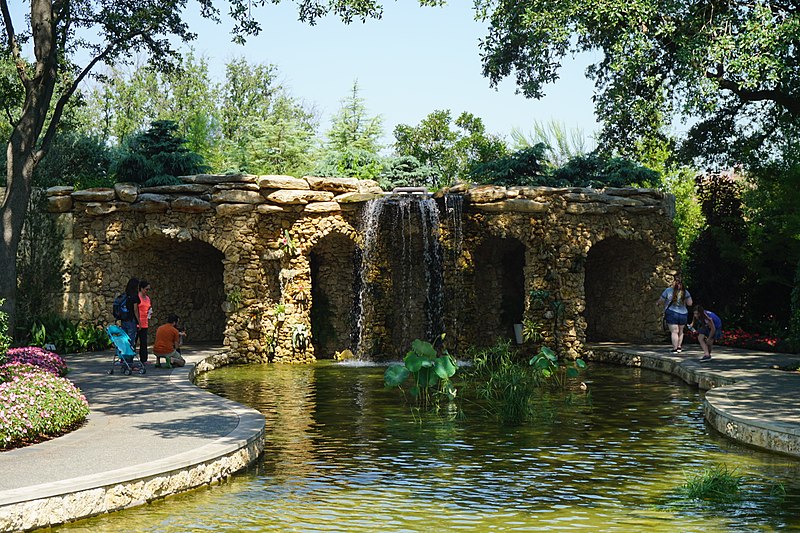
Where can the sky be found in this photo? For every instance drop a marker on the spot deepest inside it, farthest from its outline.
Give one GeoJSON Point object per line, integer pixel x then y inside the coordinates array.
{"type": "Point", "coordinates": [411, 62]}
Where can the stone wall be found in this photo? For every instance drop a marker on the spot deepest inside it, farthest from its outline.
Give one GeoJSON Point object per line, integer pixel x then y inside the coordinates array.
{"type": "Point", "coordinates": [262, 263]}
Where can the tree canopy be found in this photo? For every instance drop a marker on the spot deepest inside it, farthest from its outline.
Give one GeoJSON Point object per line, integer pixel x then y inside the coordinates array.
{"type": "Point", "coordinates": [68, 40]}
{"type": "Point", "coordinates": [451, 148]}
{"type": "Point", "coordinates": [733, 64]}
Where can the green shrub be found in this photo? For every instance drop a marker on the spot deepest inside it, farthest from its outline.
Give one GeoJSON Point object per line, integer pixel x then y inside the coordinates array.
{"type": "Point", "coordinates": [40, 264]}
{"type": "Point", "coordinates": [5, 338]}
{"type": "Point", "coordinates": [36, 405]}
{"type": "Point", "coordinates": [67, 336]}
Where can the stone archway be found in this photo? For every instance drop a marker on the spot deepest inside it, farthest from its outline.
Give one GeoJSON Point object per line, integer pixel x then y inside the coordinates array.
{"type": "Point", "coordinates": [186, 279]}
{"type": "Point", "coordinates": [618, 273]}
{"type": "Point", "coordinates": [333, 275]}
{"type": "Point", "coordinates": [499, 287]}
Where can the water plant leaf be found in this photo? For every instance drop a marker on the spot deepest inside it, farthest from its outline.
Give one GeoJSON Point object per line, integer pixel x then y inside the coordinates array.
{"type": "Point", "coordinates": [572, 372]}
{"type": "Point", "coordinates": [395, 375]}
{"type": "Point", "coordinates": [541, 363]}
{"type": "Point", "coordinates": [444, 367]}
{"type": "Point", "coordinates": [423, 348]}
{"type": "Point", "coordinates": [547, 352]}
{"type": "Point", "coordinates": [414, 362]}
{"type": "Point", "coordinates": [581, 363]}
{"type": "Point", "coordinates": [414, 391]}
{"type": "Point", "coordinates": [427, 377]}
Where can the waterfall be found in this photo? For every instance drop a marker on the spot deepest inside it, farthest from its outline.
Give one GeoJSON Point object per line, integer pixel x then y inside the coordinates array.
{"type": "Point", "coordinates": [454, 214]}
{"type": "Point", "coordinates": [400, 292]}
{"type": "Point", "coordinates": [370, 227]}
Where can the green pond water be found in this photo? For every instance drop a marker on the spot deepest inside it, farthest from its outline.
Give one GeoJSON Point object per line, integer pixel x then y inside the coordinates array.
{"type": "Point", "coordinates": [344, 454]}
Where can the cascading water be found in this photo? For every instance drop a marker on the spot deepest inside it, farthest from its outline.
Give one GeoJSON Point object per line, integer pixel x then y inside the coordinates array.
{"type": "Point", "coordinates": [370, 227]}
{"type": "Point", "coordinates": [401, 285]}
{"type": "Point", "coordinates": [454, 214]}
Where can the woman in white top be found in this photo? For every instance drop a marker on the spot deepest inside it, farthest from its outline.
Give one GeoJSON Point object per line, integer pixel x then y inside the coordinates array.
{"type": "Point", "coordinates": [674, 300]}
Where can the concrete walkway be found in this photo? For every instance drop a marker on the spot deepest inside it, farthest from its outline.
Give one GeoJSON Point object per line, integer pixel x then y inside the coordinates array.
{"type": "Point", "coordinates": [156, 434]}
{"type": "Point", "coordinates": [147, 436]}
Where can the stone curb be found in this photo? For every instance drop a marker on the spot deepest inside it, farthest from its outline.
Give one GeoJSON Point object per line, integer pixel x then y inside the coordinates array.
{"type": "Point", "coordinates": [72, 499]}
{"type": "Point", "coordinates": [729, 405]}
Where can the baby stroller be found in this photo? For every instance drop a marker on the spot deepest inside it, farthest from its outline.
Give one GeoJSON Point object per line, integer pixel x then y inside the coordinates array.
{"type": "Point", "coordinates": [124, 354]}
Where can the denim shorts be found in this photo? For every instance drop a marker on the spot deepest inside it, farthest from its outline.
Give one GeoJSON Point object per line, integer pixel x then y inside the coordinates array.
{"type": "Point", "coordinates": [706, 330]}
{"type": "Point", "coordinates": [676, 318]}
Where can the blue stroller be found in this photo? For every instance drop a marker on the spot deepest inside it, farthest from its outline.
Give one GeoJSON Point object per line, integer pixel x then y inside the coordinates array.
{"type": "Point", "coordinates": [124, 354]}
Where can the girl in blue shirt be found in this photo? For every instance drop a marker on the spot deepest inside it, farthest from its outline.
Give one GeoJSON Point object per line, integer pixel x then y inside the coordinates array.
{"type": "Point", "coordinates": [709, 329]}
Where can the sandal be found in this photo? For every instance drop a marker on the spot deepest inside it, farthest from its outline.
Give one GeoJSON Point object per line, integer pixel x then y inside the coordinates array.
{"type": "Point", "coordinates": [705, 358]}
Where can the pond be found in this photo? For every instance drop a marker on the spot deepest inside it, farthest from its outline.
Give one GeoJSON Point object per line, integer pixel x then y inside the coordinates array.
{"type": "Point", "coordinates": [344, 454]}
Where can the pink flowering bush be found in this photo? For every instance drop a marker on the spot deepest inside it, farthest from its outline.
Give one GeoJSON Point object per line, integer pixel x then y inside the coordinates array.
{"type": "Point", "coordinates": [36, 404]}
{"type": "Point", "coordinates": [738, 338]}
{"type": "Point", "coordinates": [33, 355]}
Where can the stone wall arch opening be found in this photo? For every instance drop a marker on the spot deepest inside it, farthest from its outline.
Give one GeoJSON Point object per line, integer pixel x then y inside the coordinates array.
{"type": "Point", "coordinates": [333, 294]}
{"type": "Point", "coordinates": [499, 287]}
{"type": "Point", "coordinates": [186, 279]}
{"type": "Point", "coordinates": [618, 272]}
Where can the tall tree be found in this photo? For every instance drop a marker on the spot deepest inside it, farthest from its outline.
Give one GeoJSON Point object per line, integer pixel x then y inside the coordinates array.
{"type": "Point", "coordinates": [451, 148]}
{"type": "Point", "coordinates": [353, 141]}
{"type": "Point", "coordinates": [62, 32]}
{"type": "Point", "coordinates": [352, 127]}
{"type": "Point", "coordinates": [263, 128]}
{"type": "Point", "coordinates": [734, 63]}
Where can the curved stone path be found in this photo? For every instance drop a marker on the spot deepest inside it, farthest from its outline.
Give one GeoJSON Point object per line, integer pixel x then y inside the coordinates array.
{"type": "Point", "coordinates": [157, 434]}
{"type": "Point", "coordinates": [147, 436]}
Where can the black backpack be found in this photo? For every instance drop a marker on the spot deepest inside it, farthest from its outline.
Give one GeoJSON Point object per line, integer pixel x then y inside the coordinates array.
{"type": "Point", "coordinates": [120, 309]}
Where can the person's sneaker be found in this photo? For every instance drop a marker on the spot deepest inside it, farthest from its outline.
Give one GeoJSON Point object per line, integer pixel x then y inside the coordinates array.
{"type": "Point", "coordinates": [705, 358]}
{"type": "Point", "coordinates": [674, 350]}
{"type": "Point", "coordinates": [679, 349]}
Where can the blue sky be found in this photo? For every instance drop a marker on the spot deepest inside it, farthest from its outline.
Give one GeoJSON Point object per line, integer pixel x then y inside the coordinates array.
{"type": "Point", "coordinates": [411, 62]}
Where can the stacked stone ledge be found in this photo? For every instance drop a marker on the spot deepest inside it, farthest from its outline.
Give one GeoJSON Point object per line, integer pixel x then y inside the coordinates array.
{"type": "Point", "coordinates": [238, 194]}
{"type": "Point", "coordinates": [244, 216]}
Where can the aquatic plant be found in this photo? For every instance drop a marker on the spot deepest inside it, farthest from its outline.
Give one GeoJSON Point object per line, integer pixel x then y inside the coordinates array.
{"type": "Point", "coordinates": [429, 372]}
{"type": "Point", "coordinates": [547, 364]}
{"type": "Point", "coordinates": [716, 483]}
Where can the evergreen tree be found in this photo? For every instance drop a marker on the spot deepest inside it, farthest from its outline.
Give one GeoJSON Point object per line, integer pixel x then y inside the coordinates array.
{"type": "Point", "coordinates": [352, 142]}
{"type": "Point", "coordinates": [352, 128]}
{"type": "Point", "coordinates": [158, 156]}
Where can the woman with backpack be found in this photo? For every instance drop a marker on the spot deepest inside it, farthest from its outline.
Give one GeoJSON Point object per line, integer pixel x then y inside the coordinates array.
{"type": "Point", "coordinates": [129, 320]}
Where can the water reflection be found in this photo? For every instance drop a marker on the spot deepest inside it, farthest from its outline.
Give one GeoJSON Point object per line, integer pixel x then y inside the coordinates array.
{"type": "Point", "coordinates": [343, 454]}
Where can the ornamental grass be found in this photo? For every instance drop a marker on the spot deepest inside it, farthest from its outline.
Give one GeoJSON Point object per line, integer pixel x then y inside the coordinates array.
{"type": "Point", "coordinates": [37, 404]}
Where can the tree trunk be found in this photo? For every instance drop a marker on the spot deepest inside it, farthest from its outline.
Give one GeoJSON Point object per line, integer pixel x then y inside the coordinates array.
{"type": "Point", "coordinates": [22, 146]}
{"type": "Point", "coordinates": [19, 173]}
